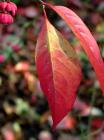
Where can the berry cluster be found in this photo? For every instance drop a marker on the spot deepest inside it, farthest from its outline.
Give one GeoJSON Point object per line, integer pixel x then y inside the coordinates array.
{"type": "Point", "coordinates": [7, 11]}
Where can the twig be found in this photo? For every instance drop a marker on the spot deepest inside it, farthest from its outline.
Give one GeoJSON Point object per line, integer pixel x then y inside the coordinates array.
{"type": "Point", "coordinates": [94, 133]}
{"type": "Point", "coordinates": [90, 117]}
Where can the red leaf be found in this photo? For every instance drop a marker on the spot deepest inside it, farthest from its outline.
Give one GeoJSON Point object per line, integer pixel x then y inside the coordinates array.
{"type": "Point", "coordinates": [87, 40]}
{"type": "Point", "coordinates": [59, 71]}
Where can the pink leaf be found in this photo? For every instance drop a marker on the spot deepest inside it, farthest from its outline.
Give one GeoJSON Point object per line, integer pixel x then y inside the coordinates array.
{"type": "Point", "coordinates": [58, 70]}
{"type": "Point", "coordinates": [87, 40]}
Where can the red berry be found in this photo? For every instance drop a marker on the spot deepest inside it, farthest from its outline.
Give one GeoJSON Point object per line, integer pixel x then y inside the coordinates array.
{"type": "Point", "coordinates": [3, 5]}
{"type": "Point", "coordinates": [7, 10]}
{"type": "Point", "coordinates": [11, 7]}
{"type": "Point", "coordinates": [6, 18]}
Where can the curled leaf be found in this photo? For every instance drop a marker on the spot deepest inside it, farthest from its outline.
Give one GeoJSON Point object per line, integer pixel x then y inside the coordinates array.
{"type": "Point", "coordinates": [87, 40]}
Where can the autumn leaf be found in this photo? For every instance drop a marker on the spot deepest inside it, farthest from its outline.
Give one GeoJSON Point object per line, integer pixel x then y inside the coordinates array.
{"type": "Point", "coordinates": [87, 40]}
{"type": "Point", "coordinates": [58, 70]}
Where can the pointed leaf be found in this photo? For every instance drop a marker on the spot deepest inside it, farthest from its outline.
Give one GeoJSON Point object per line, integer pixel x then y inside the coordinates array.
{"type": "Point", "coordinates": [59, 71]}
{"type": "Point", "coordinates": [87, 40]}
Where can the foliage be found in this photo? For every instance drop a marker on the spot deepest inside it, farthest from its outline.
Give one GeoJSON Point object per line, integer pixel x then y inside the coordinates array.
{"type": "Point", "coordinates": [24, 111]}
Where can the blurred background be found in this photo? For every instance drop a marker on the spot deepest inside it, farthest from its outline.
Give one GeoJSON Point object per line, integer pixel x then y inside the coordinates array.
{"type": "Point", "coordinates": [24, 111]}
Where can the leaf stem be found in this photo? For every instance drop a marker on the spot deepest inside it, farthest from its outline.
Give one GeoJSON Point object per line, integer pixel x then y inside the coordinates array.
{"type": "Point", "coordinates": [43, 3]}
